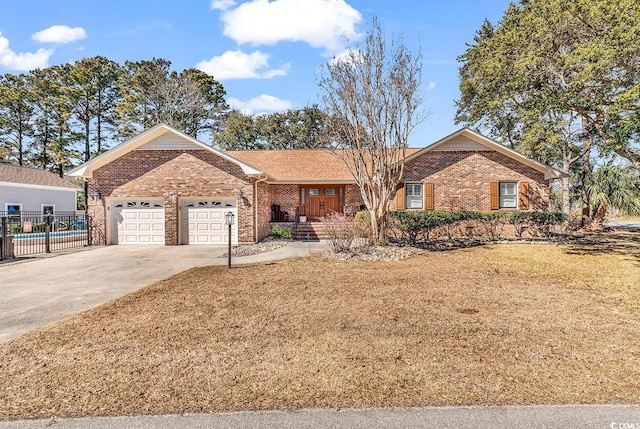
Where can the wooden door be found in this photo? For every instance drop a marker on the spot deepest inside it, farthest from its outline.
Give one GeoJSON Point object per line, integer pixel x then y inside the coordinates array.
{"type": "Point", "coordinates": [319, 201]}
{"type": "Point", "coordinates": [330, 202]}
{"type": "Point", "coordinates": [314, 204]}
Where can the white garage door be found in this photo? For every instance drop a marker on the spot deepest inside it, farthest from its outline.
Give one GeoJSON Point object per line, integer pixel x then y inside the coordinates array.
{"type": "Point", "coordinates": [204, 222]}
{"type": "Point", "coordinates": [138, 222]}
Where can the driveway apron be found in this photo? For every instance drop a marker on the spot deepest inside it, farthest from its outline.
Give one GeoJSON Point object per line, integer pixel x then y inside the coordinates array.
{"type": "Point", "coordinates": [38, 292]}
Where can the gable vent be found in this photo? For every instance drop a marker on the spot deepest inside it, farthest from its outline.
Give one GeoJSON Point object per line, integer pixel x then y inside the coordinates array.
{"type": "Point", "coordinates": [170, 141]}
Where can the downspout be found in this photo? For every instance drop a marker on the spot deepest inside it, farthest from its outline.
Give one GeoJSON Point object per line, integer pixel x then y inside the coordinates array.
{"type": "Point", "coordinates": [255, 203]}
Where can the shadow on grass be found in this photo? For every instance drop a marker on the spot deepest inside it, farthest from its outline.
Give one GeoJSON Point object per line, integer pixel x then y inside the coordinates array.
{"type": "Point", "coordinates": [444, 245]}
{"type": "Point", "coordinates": [614, 242]}
{"type": "Point", "coordinates": [617, 242]}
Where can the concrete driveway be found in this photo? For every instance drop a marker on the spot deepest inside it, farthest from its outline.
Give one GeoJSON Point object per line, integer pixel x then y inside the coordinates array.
{"type": "Point", "coordinates": [42, 291]}
{"type": "Point", "coordinates": [39, 292]}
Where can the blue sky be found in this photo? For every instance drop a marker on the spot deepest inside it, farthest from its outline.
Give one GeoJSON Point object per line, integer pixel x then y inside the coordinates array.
{"type": "Point", "coordinates": [266, 53]}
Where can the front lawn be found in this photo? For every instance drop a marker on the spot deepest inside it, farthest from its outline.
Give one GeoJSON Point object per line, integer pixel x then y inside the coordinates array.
{"type": "Point", "coordinates": [498, 324]}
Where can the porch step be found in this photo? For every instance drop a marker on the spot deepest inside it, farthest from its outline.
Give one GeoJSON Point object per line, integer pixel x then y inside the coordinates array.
{"type": "Point", "coordinates": [311, 231]}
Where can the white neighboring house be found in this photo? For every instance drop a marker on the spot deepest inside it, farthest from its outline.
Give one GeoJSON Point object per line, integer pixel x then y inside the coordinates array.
{"type": "Point", "coordinates": [26, 189]}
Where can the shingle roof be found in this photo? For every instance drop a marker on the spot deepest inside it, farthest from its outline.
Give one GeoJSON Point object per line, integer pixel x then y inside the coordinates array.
{"type": "Point", "coordinates": [32, 176]}
{"type": "Point", "coordinates": [298, 164]}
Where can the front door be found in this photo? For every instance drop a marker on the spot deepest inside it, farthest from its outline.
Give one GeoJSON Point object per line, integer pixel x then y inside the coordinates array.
{"type": "Point", "coordinates": [319, 201]}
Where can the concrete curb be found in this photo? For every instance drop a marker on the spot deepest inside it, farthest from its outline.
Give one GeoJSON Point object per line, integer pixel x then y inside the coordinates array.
{"type": "Point", "coordinates": [523, 417]}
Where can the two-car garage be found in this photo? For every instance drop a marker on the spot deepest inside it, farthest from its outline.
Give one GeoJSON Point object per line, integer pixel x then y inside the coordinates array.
{"type": "Point", "coordinates": [201, 221]}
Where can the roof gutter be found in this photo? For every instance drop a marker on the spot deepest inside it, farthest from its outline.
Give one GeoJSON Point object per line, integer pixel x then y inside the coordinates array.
{"type": "Point", "coordinates": [311, 181]}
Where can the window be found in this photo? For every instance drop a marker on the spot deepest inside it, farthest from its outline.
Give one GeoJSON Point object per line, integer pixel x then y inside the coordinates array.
{"type": "Point", "coordinates": [329, 191]}
{"type": "Point", "coordinates": [413, 195]}
{"type": "Point", "coordinates": [48, 209]}
{"type": "Point", "coordinates": [340, 195]}
{"type": "Point", "coordinates": [302, 196]}
{"type": "Point", "coordinates": [508, 195]}
{"type": "Point", "coordinates": [314, 192]}
{"type": "Point", "coordinates": [14, 211]}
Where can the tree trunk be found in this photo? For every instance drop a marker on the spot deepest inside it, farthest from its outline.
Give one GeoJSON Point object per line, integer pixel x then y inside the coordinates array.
{"type": "Point", "coordinates": [374, 225]}
{"type": "Point", "coordinates": [566, 190]}
{"type": "Point", "coordinates": [20, 147]}
{"type": "Point", "coordinates": [599, 216]}
{"type": "Point", "coordinates": [99, 124]}
{"type": "Point", "coordinates": [585, 174]}
{"type": "Point", "coordinates": [87, 139]}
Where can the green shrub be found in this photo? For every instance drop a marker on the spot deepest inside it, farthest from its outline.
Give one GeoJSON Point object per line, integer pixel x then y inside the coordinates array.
{"type": "Point", "coordinates": [417, 225]}
{"type": "Point", "coordinates": [536, 223]}
{"type": "Point", "coordinates": [493, 222]}
{"type": "Point", "coordinates": [362, 224]}
{"type": "Point", "coordinates": [14, 228]}
{"type": "Point", "coordinates": [280, 232]}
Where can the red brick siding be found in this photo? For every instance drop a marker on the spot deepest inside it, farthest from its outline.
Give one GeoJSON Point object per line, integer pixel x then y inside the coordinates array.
{"type": "Point", "coordinates": [352, 199]}
{"type": "Point", "coordinates": [288, 197]}
{"type": "Point", "coordinates": [265, 199]}
{"type": "Point", "coordinates": [170, 174]}
{"type": "Point", "coordinates": [462, 178]}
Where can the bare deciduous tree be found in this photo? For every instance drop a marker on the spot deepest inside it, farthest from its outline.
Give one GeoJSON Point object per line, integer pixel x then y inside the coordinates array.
{"type": "Point", "coordinates": [373, 95]}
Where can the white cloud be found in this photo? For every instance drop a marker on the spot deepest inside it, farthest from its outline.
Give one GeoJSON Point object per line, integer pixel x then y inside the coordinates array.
{"type": "Point", "coordinates": [239, 65]}
{"type": "Point", "coordinates": [320, 23]}
{"type": "Point", "coordinates": [431, 85]}
{"type": "Point", "coordinates": [59, 34]}
{"type": "Point", "coordinates": [260, 103]}
{"type": "Point", "coordinates": [222, 4]}
{"type": "Point", "coordinates": [23, 61]}
{"type": "Point", "coordinates": [348, 56]}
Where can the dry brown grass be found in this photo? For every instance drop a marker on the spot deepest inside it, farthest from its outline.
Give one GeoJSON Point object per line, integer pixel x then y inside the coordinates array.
{"type": "Point", "coordinates": [501, 324]}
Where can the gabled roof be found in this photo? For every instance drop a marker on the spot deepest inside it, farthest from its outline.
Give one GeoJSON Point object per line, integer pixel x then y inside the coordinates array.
{"type": "Point", "coordinates": [15, 175]}
{"type": "Point", "coordinates": [299, 165]}
{"type": "Point", "coordinates": [480, 141]}
{"type": "Point", "coordinates": [154, 138]}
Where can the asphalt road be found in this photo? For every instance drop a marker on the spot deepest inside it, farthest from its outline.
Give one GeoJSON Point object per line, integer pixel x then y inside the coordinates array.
{"type": "Point", "coordinates": [529, 417]}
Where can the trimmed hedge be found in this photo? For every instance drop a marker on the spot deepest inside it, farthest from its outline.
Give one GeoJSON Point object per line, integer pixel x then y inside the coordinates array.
{"type": "Point", "coordinates": [416, 225]}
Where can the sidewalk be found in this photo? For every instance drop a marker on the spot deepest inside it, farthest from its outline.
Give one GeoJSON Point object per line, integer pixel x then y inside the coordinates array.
{"type": "Point", "coordinates": [297, 249]}
{"type": "Point", "coordinates": [527, 417]}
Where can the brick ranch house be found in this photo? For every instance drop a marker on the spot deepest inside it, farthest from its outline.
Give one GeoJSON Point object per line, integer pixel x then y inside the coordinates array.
{"type": "Point", "coordinates": [166, 188]}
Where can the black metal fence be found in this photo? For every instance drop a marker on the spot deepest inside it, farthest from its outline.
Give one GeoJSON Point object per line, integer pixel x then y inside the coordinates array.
{"type": "Point", "coordinates": [28, 233]}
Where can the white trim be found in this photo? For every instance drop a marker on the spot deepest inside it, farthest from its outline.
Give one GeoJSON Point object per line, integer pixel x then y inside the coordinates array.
{"type": "Point", "coordinates": [549, 172]}
{"type": "Point", "coordinates": [28, 185]}
{"type": "Point", "coordinates": [86, 170]}
{"type": "Point", "coordinates": [421, 196]}
{"type": "Point", "coordinates": [6, 207]}
{"type": "Point", "coordinates": [516, 195]}
{"type": "Point", "coordinates": [183, 201]}
{"type": "Point", "coordinates": [108, 214]}
{"type": "Point", "coordinates": [42, 206]}
{"type": "Point", "coordinates": [345, 181]}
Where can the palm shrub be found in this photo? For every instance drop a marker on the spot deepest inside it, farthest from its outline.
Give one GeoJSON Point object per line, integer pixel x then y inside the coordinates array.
{"type": "Point", "coordinates": [614, 187]}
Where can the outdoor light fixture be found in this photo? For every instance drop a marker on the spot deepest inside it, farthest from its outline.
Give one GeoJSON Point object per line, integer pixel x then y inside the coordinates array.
{"type": "Point", "coordinates": [96, 195]}
{"type": "Point", "coordinates": [228, 219]}
{"type": "Point", "coordinates": [240, 195]}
